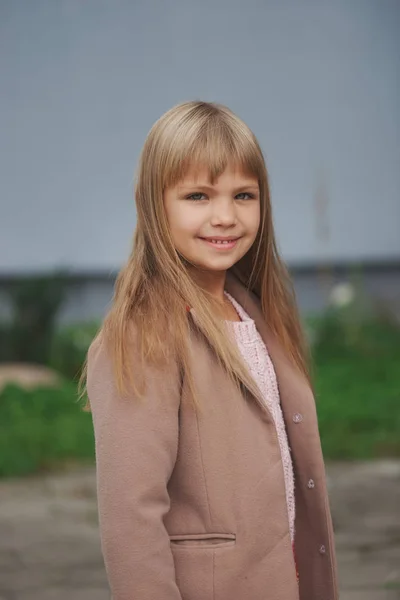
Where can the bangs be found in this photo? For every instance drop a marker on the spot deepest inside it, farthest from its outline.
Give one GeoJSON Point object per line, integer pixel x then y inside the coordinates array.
{"type": "Point", "coordinates": [211, 148]}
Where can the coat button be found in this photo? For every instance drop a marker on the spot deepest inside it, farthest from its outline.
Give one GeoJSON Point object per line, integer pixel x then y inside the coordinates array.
{"type": "Point", "coordinates": [297, 418]}
{"type": "Point", "coordinates": [322, 549]}
{"type": "Point", "coordinates": [311, 484]}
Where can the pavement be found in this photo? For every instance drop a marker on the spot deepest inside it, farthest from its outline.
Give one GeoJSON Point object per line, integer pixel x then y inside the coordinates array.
{"type": "Point", "coordinates": [50, 546]}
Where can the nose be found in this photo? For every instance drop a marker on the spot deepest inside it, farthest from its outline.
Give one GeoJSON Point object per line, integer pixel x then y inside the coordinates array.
{"type": "Point", "coordinates": [224, 212]}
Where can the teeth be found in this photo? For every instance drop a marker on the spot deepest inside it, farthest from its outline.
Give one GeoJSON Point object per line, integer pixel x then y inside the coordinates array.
{"type": "Point", "coordinates": [221, 242]}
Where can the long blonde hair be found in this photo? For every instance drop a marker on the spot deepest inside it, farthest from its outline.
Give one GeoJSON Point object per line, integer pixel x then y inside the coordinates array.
{"type": "Point", "coordinates": [154, 287]}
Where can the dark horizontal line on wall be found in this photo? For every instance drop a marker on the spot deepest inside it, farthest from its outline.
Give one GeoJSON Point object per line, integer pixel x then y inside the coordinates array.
{"type": "Point", "coordinates": [387, 265]}
{"type": "Point", "coordinates": [72, 276]}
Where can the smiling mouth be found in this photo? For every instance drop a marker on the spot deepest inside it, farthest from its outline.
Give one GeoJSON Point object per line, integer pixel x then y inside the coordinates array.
{"type": "Point", "coordinates": [221, 244]}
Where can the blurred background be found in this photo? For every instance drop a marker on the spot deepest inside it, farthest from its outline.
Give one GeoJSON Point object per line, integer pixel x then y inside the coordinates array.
{"type": "Point", "coordinates": [82, 82]}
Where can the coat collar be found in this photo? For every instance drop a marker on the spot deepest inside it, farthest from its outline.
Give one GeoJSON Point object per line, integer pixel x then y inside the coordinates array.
{"type": "Point", "coordinates": [294, 389]}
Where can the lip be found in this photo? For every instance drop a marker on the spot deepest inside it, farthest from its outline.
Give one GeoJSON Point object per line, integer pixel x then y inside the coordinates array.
{"type": "Point", "coordinates": [220, 237]}
{"type": "Point", "coordinates": [226, 246]}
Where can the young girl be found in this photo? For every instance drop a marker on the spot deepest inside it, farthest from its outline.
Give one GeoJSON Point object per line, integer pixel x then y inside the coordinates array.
{"type": "Point", "coordinates": [210, 476]}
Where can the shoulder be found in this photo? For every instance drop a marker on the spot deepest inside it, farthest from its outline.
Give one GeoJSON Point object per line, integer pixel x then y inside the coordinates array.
{"type": "Point", "coordinates": [102, 368]}
{"type": "Point", "coordinates": [99, 374]}
{"type": "Point", "coordinates": [100, 357]}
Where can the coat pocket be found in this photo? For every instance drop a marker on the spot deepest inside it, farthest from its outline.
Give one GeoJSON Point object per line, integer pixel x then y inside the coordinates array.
{"type": "Point", "coordinates": [203, 540]}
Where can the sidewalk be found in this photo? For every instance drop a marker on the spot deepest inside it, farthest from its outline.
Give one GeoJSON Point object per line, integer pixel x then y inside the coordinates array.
{"type": "Point", "coordinates": [50, 549]}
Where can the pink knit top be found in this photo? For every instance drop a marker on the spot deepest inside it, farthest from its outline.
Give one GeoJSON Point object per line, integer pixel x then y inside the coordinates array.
{"type": "Point", "coordinates": [258, 360]}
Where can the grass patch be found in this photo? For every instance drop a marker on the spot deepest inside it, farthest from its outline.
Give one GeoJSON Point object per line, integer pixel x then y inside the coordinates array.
{"type": "Point", "coordinates": [357, 379]}
{"type": "Point", "coordinates": [43, 429]}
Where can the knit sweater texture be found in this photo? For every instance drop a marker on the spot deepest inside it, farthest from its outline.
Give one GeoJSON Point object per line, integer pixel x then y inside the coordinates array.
{"type": "Point", "coordinates": [260, 365]}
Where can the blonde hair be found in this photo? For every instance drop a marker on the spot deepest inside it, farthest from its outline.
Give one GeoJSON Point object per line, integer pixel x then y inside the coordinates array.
{"type": "Point", "coordinates": [154, 287]}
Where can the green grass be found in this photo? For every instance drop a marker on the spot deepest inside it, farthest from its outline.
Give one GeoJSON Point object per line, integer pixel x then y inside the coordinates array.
{"type": "Point", "coordinates": [42, 430]}
{"type": "Point", "coordinates": [357, 377]}
{"type": "Point", "coordinates": [358, 404]}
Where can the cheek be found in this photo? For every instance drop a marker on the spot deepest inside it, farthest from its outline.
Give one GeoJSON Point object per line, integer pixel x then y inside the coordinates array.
{"type": "Point", "coordinates": [185, 222]}
{"type": "Point", "coordinates": [251, 220]}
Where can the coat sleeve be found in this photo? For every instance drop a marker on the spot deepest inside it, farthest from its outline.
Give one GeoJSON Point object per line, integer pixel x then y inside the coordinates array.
{"type": "Point", "coordinates": [136, 444]}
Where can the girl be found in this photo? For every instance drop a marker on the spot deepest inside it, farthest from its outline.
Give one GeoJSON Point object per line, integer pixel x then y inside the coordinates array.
{"type": "Point", "coordinates": [210, 476]}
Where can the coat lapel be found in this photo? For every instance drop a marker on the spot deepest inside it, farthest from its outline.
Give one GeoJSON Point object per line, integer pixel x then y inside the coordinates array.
{"type": "Point", "coordinates": [294, 389]}
{"type": "Point", "coordinates": [238, 291]}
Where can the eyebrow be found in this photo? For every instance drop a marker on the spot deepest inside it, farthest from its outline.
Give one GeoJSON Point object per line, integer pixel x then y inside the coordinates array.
{"type": "Point", "coordinates": [245, 186]}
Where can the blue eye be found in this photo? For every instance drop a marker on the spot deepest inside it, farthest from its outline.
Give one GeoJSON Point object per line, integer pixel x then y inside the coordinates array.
{"type": "Point", "coordinates": [195, 194]}
{"type": "Point", "coordinates": [244, 194]}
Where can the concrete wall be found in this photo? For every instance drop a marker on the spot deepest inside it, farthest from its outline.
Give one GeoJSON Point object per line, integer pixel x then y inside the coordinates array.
{"type": "Point", "coordinates": [83, 81]}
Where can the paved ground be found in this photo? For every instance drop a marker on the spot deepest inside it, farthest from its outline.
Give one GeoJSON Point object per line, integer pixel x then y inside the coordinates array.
{"type": "Point", "coordinates": [50, 550]}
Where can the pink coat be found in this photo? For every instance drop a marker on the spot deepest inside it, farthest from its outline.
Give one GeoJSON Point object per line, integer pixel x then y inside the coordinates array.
{"type": "Point", "coordinates": [195, 508]}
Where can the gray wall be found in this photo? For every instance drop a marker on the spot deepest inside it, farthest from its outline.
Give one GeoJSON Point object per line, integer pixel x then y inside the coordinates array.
{"type": "Point", "coordinates": [82, 81]}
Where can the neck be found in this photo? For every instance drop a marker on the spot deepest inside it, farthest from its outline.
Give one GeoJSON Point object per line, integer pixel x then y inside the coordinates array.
{"type": "Point", "coordinates": [212, 282]}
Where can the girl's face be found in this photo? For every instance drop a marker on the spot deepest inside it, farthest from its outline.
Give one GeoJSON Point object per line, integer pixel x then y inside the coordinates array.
{"type": "Point", "coordinates": [229, 209]}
